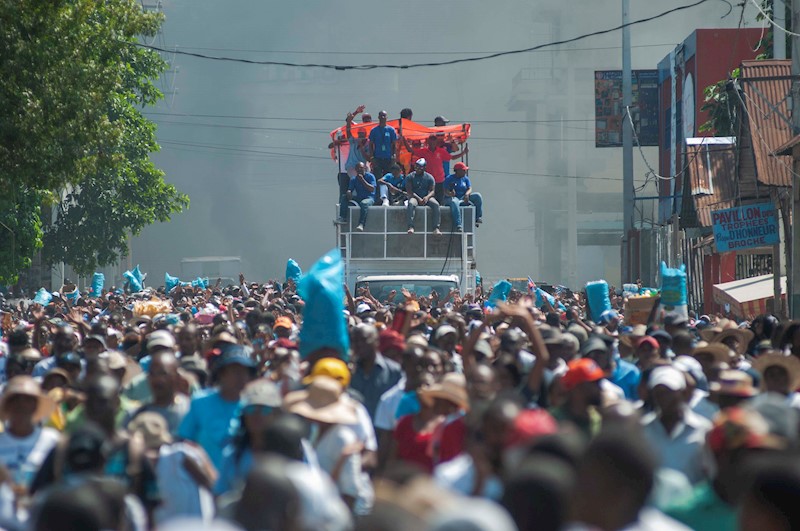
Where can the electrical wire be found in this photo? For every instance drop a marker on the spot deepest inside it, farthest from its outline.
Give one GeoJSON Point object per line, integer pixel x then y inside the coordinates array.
{"type": "Point", "coordinates": [768, 18]}
{"type": "Point", "coordinates": [339, 120]}
{"type": "Point", "coordinates": [431, 64]}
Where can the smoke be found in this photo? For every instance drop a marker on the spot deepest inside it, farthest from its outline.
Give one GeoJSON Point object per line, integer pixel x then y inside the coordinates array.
{"type": "Point", "coordinates": [265, 189]}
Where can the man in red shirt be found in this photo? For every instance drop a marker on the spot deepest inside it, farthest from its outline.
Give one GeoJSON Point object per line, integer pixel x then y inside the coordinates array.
{"type": "Point", "coordinates": [436, 156]}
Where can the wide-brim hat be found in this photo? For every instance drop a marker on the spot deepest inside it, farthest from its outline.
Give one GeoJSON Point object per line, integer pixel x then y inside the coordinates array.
{"type": "Point", "coordinates": [720, 351]}
{"type": "Point", "coordinates": [452, 388]}
{"type": "Point", "coordinates": [25, 385]}
{"type": "Point", "coordinates": [778, 359]}
{"type": "Point", "coordinates": [321, 402]}
{"type": "Point", "coordinates": [709, 333]}
{"type": "Point", "coordinates": [745, 337]}
{"type": "Point", "coordinates": [732, 382]}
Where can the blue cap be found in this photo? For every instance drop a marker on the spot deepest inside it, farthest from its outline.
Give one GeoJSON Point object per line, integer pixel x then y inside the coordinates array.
{"type": "Point", "coordinates": [234, 355]}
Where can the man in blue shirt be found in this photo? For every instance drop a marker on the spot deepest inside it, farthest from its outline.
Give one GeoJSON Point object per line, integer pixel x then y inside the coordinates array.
{"type": "Point", "coordinates": [421, 188]}
{"type": "Point", "coordinates": [359, 147]}
{"type": "Point", "coordinates": [382, 139]}
{"type": "Point", "coordinates": [362, 192]}
{"type": "Point", "coordinates": [458, 191]}
{"type": "Point", "coordinates": [392, 186]}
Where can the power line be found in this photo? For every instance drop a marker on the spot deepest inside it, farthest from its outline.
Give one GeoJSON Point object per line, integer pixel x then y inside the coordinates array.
{"type": "Point", "coordinates": [767, 17]}
{"type": "Point", "coordinates": [240, 150]}
{"type": "Point", "coordinates": [437, 52]}
{"type": "Point", "coordinates": [432, 64]}
{"type": "Point", "coordinates": [340, 120]}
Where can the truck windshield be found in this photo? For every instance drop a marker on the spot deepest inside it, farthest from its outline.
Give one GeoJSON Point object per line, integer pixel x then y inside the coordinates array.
{"type": "Point", "coordinates": [380, 289]}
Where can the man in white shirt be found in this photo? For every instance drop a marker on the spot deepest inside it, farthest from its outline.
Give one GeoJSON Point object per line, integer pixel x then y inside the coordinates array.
{"type": "Point", "coordinates": [676, 433]}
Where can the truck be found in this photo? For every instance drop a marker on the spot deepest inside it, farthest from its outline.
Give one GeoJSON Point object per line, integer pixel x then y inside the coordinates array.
{"type": "Point", "coordinates": [226, 268]}
{"type": "Point", "coordinates": [387, 257]}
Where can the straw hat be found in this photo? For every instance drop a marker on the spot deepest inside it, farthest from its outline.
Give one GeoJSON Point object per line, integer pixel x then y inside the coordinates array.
{"type": "Point", "coordinates": [25, 385]}
{"type": "Point", "coordinates": [745, 337]}
{"type": "Point", "coordinates": [778, 359]}
{"type": "Point", "coordinates": [723, 324]}
{"type": "Point", "coordinates": [453, 388]}
{"type": "Point", "coordinates": [720, 351]}
{"type": "Point", "coordinates": [321, 402]}
{"type": "Point", "coordinates": [732, 382]}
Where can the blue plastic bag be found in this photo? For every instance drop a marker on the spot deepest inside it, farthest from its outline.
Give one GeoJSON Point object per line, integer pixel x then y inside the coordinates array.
{"type": "Point", "coordinates": [139, 275]}
{"type": "Point", "coordinates": [73, 295]}
{"type": "Point", "coordinates": [499, 293]}
{"type": "Point", "coordinates": [293, 270]}
{"type": "Point", "coordinates": [597, 296]}
{"type": "Point", "coordinates": [322, 289]}
{"type": "Point", "coordinates": [42, 297]}
{"type": "Point", "coordinates": [98, 282]}
{"type": "Point", "coordinates": [542, 294]}
{"type": "Point", "coordinates": [170, 282]}
{"type": "Point", "coordinates": [135, 283]}
{"type": "Point", "coordinates": [201, 283]}
{"type": "Point", "coordinates": [673, 285]}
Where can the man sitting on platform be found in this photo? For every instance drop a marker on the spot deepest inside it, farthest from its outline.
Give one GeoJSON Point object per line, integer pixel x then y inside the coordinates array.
{"type": "Point", "coordinates": [420, 188]}
{"type": "Point", "coordinates": [392, 186]}
{"type": "Point", "coordinates": [361, 192]}
{"type": "Point", "coordinates": [458, 191]}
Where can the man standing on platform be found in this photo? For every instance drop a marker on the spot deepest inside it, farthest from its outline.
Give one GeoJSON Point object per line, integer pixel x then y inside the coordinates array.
{"type": "Point", "coordinates": [382, 139]}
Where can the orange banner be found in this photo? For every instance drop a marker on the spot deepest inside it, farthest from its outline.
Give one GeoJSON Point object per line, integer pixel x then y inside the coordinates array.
{"type": "Point", "coordinates": [413, 131]}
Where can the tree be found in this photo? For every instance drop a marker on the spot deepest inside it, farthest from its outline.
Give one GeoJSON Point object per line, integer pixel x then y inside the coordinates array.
{"type": "Point", "coordinates": [72, 83]}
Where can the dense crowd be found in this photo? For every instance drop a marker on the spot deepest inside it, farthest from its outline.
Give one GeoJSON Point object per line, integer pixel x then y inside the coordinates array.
{"type": "Point", "coordinates": [444, 412]}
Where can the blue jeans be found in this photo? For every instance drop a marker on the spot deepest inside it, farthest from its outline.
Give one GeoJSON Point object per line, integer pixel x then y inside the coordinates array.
{"type": "Point", "coordinates": [454, 202]}
{"type": "Point", "coordinates": [364, 205]}
{"type": "Point", "coordinates": [411, 210]}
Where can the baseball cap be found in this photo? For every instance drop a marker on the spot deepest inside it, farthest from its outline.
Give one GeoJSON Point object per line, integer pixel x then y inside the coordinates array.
{"type": "Point", "coordinates": [669, 377]}
{"type": "Point", "coordinates": [441, 118]}
{"type": "Point", "coordinates": [592, 345]}
{"type": "Point", "coordinates": [99, 339]}
{"type": "Point", "coordinates": [261, 392]}
{"type": "Point", "coordinates": [234, 355]}
{"type": "Point", "coordinates": [581, 371]}
{"type": "Point", "coordinates": [444, 330]}
{"type": "Point", "coordinates": [282, 322]}
{"type": "Point", "coordinates": [332, 368]}
{"type": "Point", "coordinates": [421, 162]}
{"type": "Point", "coordinates": [160, 338]}
{"type": "Point", "coordinates": [460, 166]}
{"type": "Point", "coordinates": [363, 308]}
{"type": "Point", "coordinates": [675, 319]}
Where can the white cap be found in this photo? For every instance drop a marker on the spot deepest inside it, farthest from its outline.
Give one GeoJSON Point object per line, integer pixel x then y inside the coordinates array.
{"type": "Point", "coordinates": [668, 376]}
{"type": "Point", "coordinates": [160, 338]}
{"type": "Point", "coordinates": [422, 162]}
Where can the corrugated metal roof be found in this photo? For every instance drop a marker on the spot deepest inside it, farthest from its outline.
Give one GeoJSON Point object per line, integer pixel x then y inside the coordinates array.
{"type": "Point", "coordinates": [766, 86]}
{"type": "Point", "coordinates": [712, 180]}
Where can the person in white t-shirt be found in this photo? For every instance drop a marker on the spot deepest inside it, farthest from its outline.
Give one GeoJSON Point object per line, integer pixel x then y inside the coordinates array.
{"type": "Point", "coordinates": [337, 446]}
{"type": "Point", "coordinates": [25, 444]}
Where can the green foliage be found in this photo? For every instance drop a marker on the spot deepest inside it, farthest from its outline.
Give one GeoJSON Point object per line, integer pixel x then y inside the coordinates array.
{"type": "Point", "coordinates": [719, 108]}
{"type": "Point", "coordinates": [20, 231]}
{"type": "Point", "coordinates": [72, 84]}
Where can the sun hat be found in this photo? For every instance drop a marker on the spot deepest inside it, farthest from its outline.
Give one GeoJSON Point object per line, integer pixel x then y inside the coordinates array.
{"type": "Point", "coordinates": [580, 371]}
{"type": "Point", "coordinates": [26, 385]}
{"type": "Point", "coordinates": [668, 376]}
{"type": "Point", "coordinates": [332, 368]}
{"type": "Point", "coordinates": [321, 402]}
{"type": "Point", "coordinates": [152, 427]}
{"type": "Point", "coordinates": [720, 351]}
{"type": "Point", "coordinates": [778, 359]}
{"type": "Point", "coordinates": [261, 392]}
{"type": "Point", "coordinates": [745, 336]}
{"type": "Point", "coordinates": [453, 388]}
{"type": "Point", "coordinates": [732, 382]}
{"type": "Point", "coordinates": [741, 428]}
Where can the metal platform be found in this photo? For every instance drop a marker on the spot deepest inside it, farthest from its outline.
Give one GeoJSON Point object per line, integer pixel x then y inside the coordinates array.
{"type": "Point", "coordinates": [385, 247]}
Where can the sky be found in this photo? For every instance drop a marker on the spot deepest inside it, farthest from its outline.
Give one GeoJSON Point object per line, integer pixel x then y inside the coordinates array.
{"type": "Point", "coordinates": [247, 143]}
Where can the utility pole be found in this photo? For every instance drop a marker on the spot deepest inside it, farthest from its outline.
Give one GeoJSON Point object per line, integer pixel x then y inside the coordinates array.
{"type": "Point", "coordinates": [793, 269]}
{"type": "Point", "coordinates": [627, 145]}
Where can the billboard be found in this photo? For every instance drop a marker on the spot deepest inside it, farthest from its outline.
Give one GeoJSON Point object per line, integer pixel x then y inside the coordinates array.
{"type": "Point", "coordinates": [745, 227]}
{"type": "Point", "coordinates": [609, 112]}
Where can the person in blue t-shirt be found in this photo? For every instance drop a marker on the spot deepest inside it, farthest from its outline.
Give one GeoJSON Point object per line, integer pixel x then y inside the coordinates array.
{"type": "Point", "coordinates": [359, 146]}
{"type": "Point", "coordinates": [421, 187]}
{"type": "Point", "coordinates": [361, 192]}
{"type": "Point", "coordinates": [392, 186]}
{"type": "Point", "coordinates": [210, 415]}
{"type": "Point", "coordinates": [458, 191]}
{"type": "Point", "coordinates": [382, 150]}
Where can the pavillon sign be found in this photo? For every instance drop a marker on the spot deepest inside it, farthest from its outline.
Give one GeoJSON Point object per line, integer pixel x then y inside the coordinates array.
{"type": "Point", "coordinates": [745, 227]}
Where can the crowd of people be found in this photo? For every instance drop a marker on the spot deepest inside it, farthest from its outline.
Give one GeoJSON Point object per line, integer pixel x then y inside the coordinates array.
{"type": "Point", "coordinates": [384, 168]}
{"type": "Point", "coordinates": [459, 413]}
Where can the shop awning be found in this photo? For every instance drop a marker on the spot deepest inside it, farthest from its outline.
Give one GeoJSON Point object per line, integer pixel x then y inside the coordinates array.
{"type": "Point", "coordinates": [748, 297]}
